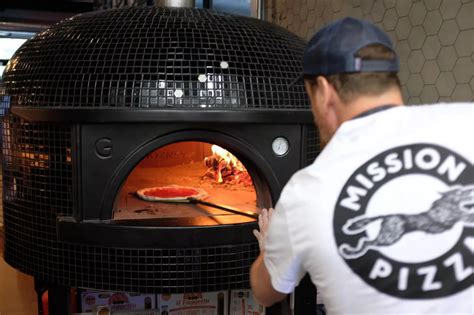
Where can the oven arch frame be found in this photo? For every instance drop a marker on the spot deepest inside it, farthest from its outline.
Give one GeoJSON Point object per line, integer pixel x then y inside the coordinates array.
{"type": "Point", "coordinates": [265, 181]}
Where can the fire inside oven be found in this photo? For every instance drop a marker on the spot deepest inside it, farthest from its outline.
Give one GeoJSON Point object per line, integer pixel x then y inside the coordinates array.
{"type": "Point", "coordinates": [188, 183]}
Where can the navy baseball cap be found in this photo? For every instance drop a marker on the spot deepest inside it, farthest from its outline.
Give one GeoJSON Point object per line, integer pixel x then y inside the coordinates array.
{"type": "Point", "coordinates": [333, 49]}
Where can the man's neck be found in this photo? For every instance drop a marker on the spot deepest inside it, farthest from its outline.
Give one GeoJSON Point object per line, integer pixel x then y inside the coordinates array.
{"type": "Point", "coordinates": [368, 102]}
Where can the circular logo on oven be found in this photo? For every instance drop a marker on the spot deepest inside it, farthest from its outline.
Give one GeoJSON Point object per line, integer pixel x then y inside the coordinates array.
{"type": "Point", "coordinates": [404, 222]}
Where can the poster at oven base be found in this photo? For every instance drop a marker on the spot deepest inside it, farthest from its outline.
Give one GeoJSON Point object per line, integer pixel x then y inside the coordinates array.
{"type": "Point", "coordinates": [205, 303]}
{"type": "Point", "coordinates": [145, 312]}
{"type": "Point", "coordinates": [105, 311]}
{"type": "Point", "coordinates": [242, 302]}
{"type": "Point", "coordinates": [92, 301]}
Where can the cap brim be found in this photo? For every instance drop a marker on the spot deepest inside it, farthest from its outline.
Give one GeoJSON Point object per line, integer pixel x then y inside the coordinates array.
{"type": "Point", "coordinates": [297, 80]}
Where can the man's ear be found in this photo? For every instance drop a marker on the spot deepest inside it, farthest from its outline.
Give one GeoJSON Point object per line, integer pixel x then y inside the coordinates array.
{"type": "Point", "coordinates": [324, 94]}
{"type": "Point", "coordinates": [310, 89]}
{"type": "Point", "coordinates": [329, 104]}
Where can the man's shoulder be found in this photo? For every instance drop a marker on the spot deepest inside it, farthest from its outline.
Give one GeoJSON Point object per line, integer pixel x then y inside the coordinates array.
{"type": "Point", "coordinates": [404, 120]}
{"type": "Point", "coordinates": [442, 108]}
{"type": "Point", "coordinates": [442, 118]}
{"type": "Point", "coordinates": [450, 105]}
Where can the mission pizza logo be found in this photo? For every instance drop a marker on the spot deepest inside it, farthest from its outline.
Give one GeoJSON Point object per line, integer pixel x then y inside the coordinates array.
{"type": "Point", "coordinates": [404, 222]}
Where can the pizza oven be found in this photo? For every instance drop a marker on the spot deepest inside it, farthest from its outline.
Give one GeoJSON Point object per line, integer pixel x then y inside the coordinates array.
{"type": "Point", "coordinates": [106, 104]}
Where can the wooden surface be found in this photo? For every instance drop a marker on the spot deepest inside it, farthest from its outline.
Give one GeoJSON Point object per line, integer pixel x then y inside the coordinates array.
{"type": "Point", "coordinates": [1, 194]}
{"type": "Point", "coordinates": [2, 229]}
{"type": "Point", "coordinates": [2, 240]}
{"type": "Point", "coordinates": [17, 294]}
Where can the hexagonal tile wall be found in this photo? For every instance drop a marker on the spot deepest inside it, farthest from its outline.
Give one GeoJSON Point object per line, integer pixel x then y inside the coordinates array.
{"type": "Point", "coordinates": [449, 9]}
{"type": "Point", "coordinates": [403, 74]}
{"type": "Point", "coordinates": [464, 17]}
{"type": "Point", "coordinates": [434, 38]}
{"type": "Point", "coordinates": [463, 70]}
{"type": "Point", "coordinates": [447, 58]}
{"type": "Point", "coordinates": [415, 84]}
{"type": "Point", "coordinates": [432, 4]}
{"type": "Point", "coordinates": [431, 47]}
{"type": "Point", "coordinates": [417, 13]}
{"type": "Point", "coordinates": [430, 72]}
{"type": "Point", "coordinates": [417, 37]}
{"type": "Point", "coordinates": [378, 11]}
{"type": "Point", "coordinates": [432, 23]}
{"type": "Point", "coordinates": [390, 3]}
{"type": "Point", "coordinates": [445, 84]}
{"type": "Point", "coordinates": [390, 19]}
{"type": "Point", "coordinates": [415, 61]}
{"type": "Point", "coordinates": [465, 43]}
{"type": "Point", "coordinates": [403, 27]}
{"type": "Point", "coordinates": [448, 32]}
{"type": "Point", "coordinates": [429, 95]}
{"type": "Point", "coordinates": [462, 92]}
{"type": "Point", "coordinates": [403, 7]}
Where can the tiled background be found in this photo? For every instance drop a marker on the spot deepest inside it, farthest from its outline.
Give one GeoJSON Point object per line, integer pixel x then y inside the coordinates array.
{"type": "Point", "coordinates": [434, 38]}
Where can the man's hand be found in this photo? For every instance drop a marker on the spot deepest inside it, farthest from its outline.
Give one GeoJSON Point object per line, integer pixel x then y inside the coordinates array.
{"type": "Point", "coordinates": [260, 280]}
{"type": "Point", "coordinates": [263, 220]}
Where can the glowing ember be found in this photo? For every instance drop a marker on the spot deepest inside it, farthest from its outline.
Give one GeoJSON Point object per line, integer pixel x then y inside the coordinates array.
{"type": "Point", "coordinates": [224, 167]}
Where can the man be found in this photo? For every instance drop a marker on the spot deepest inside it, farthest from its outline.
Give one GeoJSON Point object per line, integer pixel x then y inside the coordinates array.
{"type": "Point", "coordinates": [383, 219]}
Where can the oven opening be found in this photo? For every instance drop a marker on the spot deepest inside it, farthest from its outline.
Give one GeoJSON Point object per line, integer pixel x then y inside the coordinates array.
{"type": "Point", "coordinates": [191, 183]}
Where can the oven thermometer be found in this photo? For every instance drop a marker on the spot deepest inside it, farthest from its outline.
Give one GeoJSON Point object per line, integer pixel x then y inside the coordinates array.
{"type": "Point", "coordinates": [280, 146]}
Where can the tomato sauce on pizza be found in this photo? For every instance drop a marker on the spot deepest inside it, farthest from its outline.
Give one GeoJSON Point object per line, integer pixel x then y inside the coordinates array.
{"type": "Point", "coordinates": [171, 193]}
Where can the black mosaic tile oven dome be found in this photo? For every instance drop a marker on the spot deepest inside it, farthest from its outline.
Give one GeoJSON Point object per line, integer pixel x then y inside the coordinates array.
{"type": "Point", "coordinates": [95, 94]}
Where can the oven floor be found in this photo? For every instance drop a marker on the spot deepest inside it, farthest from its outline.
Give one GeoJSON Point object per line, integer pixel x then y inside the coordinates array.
{"type": "Point", "coordinates": [236, 196]}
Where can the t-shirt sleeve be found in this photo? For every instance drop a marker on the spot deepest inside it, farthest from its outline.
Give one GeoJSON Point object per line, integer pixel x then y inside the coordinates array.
{"type": "Point", "coordinates": [283, 264]}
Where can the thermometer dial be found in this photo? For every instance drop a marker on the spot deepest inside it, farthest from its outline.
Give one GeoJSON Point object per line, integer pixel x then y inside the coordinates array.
{"type": "Point", "coordinates": [280, 146]}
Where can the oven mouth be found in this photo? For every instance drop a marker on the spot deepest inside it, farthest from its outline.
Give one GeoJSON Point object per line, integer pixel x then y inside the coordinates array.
{"type": "Point", "coordinates": [189, 183]}
{"type": "Point", "coordinates": [189, 144]}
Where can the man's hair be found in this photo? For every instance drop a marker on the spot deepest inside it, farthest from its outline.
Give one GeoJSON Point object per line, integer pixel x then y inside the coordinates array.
{"type": "Point", "coordinates": [352, 85]}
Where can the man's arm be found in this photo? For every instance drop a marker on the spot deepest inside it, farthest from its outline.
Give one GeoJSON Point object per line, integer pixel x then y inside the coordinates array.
{"type": "Point", "coordinates": [261, 284]}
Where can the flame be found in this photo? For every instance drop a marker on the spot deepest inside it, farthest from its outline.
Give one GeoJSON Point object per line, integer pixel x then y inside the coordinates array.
{"type": "Point", "coordinates": [222, 164]}
{"type": "Point", "coordinates": [228, 157]}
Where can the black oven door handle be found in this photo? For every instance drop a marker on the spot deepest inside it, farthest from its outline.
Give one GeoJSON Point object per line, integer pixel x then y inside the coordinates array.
{"type": "Point", "coordinates": [152, 233]}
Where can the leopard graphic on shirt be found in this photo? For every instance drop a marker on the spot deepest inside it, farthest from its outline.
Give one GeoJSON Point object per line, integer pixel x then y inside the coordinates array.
{"type": "Point", "coordinates": [452, 207]}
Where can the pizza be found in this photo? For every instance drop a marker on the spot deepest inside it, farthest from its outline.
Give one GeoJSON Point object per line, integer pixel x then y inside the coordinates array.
{"type": "Point", "coordinates": [171, 193]}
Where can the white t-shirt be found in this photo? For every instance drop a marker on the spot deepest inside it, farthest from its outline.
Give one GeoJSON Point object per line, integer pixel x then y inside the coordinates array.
{"type": "Point", "coordinates": [383, 220]}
